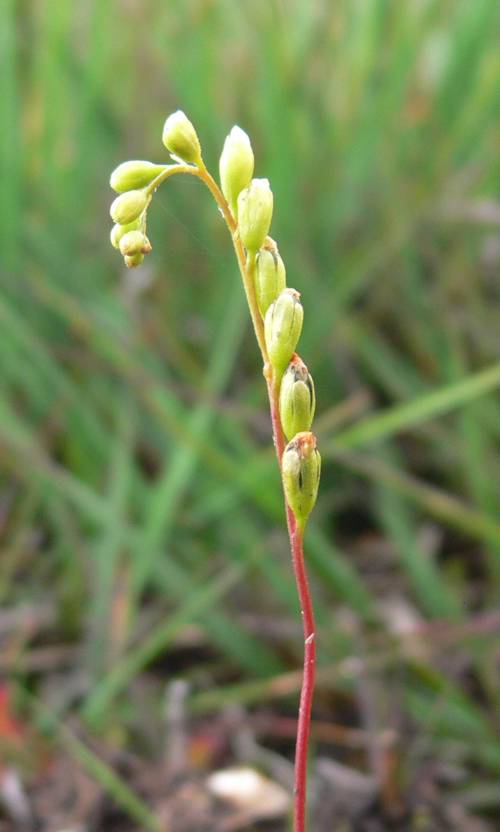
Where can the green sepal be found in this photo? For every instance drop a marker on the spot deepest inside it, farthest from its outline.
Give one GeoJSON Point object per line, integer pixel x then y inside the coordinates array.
{"type": "Point", "coordinates": [270, 277]}
{"type": "Point", "coordinates": [282, 328]}
{"type": "Point", "coordinates": [255, 211]}
{"type": "Point", "coordinates": [301, 470]}
{"type": "Point", "coordinates": [297, 398]}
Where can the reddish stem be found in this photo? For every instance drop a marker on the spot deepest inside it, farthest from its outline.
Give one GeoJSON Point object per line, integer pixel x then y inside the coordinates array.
{"type": "Point", "coordinates": [307, 692]}
{"type": "Point", "coordinates": [296, 535]}
{"type": "Point", "coordinates": [295, 532]}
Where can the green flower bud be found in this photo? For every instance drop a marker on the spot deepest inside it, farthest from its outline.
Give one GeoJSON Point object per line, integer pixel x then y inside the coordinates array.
{"type": "Point", "coordinates": [270, 278]}
{"type": "Point", "coordinates": [134, 242]}
{"type": "Point", "coordinates": [131, 175]}
{"type": "Point", "coordinates": [255, 211]}
{"type": "Point", "coordinates": [235, 166]}
{"type": "Point", "coordinates": [127, 207]}
{"type": "Point", "coordinates": [297, 398]}
{"type": "Point", "coordinates": [115, 235]}
{"type": "Point", "coordinates": [282, 327]}
{"type": "Point", "coordinates": [180, 139]}
{"type": "Point", "coordinates": [301, 469]}
{"type": "Point", "coordinates": [118, 231]}
{"type": "Point", "coordinates": [132, 260]}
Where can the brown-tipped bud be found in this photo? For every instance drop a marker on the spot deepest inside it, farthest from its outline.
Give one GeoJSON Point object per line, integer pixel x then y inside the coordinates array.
{"type": "Point", "coordinates": [132, 175]}
{"type": "Point", "coordinates": [132, 260]}
{"type": "Point", "coordinates": [297, 398]}
{"type": "Point", "coordinates": [118, 231]}
{"type": "Point", "coordinates": [236, 165]}
{"type": "Point", "coordinates": [255, 211]}
{"type": "Point", "coordinates": [128, 207]}
{"type": "Point", "coordinates": [134, 242]}
{"type": "Point", "coordinates": [282, 328]}
{"type": "Point", "coordinates": [270, 278]}
{"type": "Point", "coordinates": [301, 469]}
{"type": "Point", "coordinates": [180, 139]}
{"type": "Point", "coordinates": [270, 244]}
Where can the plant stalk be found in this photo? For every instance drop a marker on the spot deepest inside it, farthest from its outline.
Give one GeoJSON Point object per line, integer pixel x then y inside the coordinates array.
{"type": "Point", "coordinates": [295, 531]}
{"type": "Point", "coordinates": [296, 537]}
{"type": "Point", "coordinates": [309, 674]}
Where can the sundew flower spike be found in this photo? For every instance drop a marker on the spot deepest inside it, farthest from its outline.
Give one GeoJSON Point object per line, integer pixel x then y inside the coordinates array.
{"type": "Point", "coordinates": [246, 205]}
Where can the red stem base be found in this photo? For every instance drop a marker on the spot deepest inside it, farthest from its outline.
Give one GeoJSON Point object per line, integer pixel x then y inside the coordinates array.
{"type": "Point", "coordinates": [296, 535]}
{"type": "Point", "coordinates": [307, 692]}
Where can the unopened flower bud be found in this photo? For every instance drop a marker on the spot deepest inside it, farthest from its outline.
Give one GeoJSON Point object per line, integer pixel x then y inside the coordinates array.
{"type": "Point", "coordinates": [301, 469]}
{"type": "Point", "coordinates": [134, 242]}
{"type": "Point", "coordinates": [116, 235]}
{"type": "Point", "coordinates": [180, 139]}
{"type": "Point", "coordinates": [127, 207]}
{"type": "Point", "coordinates": [135, 174]}
{"type": "Point", "coordinates": [255, 211]}
{"type": "Point", "coordinates": [282, 328]}
{"type": "Point", "coordinates": [118, 231]}
{"type": "Point", "coordinates": [270, 278]}
{"type": "Point", "coordinates": [297, 398]}
{"type": "Point", "coordinates": [236, 165]}
{"type": "Point", "coordinates": [132, 260]}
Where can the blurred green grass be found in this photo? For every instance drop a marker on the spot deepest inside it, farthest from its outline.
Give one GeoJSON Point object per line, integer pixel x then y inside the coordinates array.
{"type": "Point", "coordinates": [136, 462]}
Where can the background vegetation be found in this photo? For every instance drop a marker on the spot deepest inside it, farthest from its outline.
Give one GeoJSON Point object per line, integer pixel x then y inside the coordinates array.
{"type": "Point", "coordinates": [140, 507]}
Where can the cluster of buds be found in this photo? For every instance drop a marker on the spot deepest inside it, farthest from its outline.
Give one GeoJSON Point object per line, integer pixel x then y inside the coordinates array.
{"type": "Point", "coordinates": [134, 181]}
{"type": "Point", "coordinates": [128, 211]}
{"type": "Point", "coordinates": [251, 201]}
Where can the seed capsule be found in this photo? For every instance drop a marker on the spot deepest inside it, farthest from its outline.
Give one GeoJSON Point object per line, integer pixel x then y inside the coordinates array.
{"type": "Point", "coordinates": [134, 242]}
{"type": "Point", "coordinates": [297, 398]}
{"type": "Point", "coordinates": [132, 175]}
{"type": "Point", "coordinates": [301, 469]}
{"type": "Point", "coordinates": [127, 207]}
{"type": "Point", "coordinates": [255, 211]}
{"type": "Point", "coordinates": [236, 165]}
{"type": "Point", "coordinates": [270, 278]}
{"type": "Point", "coordinates": [282, 328]}
{"type": "Point", "coordinates": [180, 139]}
